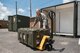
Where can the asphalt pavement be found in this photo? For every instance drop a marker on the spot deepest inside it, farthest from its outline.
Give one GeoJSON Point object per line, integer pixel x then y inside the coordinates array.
{"type": "Point", "coordinates": [9, 44]}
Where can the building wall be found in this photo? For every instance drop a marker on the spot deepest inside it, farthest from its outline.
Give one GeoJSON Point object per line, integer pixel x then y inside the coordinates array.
{"type": "Point", "coordinates": [79, 18]}
{"type": "Point", "coordinates": [36, 26]}
{"type": "Point", "coordinates": [64, 20]}
{"type": "Point", "coordinates": [3, 24]}
{"type": "Point", "coordinates": [32, 22]}
{"type": "Point", "coordinates": [65, 1]}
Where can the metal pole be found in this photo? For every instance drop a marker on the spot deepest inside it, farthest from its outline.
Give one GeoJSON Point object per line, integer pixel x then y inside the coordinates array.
{"type": "Point", "coordinates": [16, 7]}
{"type": "Point", "coordinates": [30, 9]}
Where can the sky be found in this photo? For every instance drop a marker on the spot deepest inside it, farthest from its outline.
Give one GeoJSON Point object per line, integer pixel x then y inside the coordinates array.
{"type": "Point", "coordinates": [7, 7]}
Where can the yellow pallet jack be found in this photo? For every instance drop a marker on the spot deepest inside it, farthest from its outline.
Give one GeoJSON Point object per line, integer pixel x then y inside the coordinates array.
{"type": "Point", "coordinates": [41, 46]}
{"type": "Point", "coordinates": [47, 41]}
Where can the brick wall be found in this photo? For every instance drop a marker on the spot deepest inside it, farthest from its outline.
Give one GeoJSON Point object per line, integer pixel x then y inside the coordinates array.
{"type": "Point", "coordinates": [32, 22]}
{"type": "Point", "coordinates": [3, 24]}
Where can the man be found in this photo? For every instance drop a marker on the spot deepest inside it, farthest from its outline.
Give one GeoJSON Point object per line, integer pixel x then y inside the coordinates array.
{"type": "Point", "coordinates": [41, 17]}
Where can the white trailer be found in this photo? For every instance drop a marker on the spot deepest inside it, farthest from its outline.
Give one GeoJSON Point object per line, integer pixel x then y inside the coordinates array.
{"type": "Point", "coordinates": [67, 18]}
{"type": "Point", "coordinates": [65, 1]}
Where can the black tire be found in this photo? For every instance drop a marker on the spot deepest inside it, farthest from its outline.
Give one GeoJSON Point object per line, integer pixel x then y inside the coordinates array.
{"type": "Point", "coordinates": [48, 47]}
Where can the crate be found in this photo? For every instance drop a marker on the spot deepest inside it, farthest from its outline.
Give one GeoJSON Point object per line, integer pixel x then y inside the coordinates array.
{"type": "Point", "coordinates": [31, 37]}
{"type": "Point", "coordinates": [22, 36]}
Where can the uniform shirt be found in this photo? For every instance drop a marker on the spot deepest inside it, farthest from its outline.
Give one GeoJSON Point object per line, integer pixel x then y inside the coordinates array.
{"type": "Point", "coordinates": [45, 20]}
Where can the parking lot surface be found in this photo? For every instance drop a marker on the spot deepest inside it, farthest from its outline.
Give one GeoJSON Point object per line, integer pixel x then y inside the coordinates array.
{"type": "Point", "coordinates": [9, 44]}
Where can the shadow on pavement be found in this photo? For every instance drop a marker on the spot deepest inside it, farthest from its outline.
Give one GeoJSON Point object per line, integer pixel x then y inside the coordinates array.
{"type": "Point", "coordinates": [60, 50]}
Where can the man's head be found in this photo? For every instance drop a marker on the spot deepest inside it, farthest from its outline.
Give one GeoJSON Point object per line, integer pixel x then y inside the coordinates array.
{"type": "Point", "coordinates": [38, 12]}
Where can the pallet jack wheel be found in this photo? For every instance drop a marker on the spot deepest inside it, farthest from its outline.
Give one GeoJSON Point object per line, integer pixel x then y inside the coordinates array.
{"type": "Point", "coordinates": [48, 47]}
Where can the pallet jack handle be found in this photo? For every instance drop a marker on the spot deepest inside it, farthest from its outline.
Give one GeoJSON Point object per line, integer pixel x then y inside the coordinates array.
{"type": "Point", "coordinates": [52, 15]}
{"type": "Point", "coordinates": [49, 41]}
